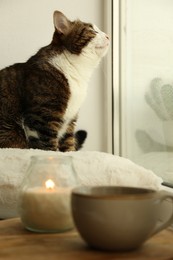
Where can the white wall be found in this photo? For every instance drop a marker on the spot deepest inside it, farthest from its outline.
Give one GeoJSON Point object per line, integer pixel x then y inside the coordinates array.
{"type": "Point", "coordinates": [27, 25]}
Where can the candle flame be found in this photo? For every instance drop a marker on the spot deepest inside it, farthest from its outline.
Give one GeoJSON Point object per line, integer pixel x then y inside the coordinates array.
{"type": "Point", "coordinates": [49, 184]}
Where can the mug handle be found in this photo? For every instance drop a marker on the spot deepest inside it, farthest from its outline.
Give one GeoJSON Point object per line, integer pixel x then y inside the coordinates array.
{"type": "Point", "coordinates": [163, 196]}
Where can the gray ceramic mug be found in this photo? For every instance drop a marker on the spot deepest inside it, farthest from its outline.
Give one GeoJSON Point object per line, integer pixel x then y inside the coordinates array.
{"type": "Point", "coordinates": [118, 218]}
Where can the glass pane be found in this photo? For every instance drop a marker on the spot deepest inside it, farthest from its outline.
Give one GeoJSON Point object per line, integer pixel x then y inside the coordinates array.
{"type": "Point", "coordinates": [147, 84]}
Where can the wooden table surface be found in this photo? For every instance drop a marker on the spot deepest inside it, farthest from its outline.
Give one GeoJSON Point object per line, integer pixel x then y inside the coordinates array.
{"type": "Point", "coordinates": [20, 244]}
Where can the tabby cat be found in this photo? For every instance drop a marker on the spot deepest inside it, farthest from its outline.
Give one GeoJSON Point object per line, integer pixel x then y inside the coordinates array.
{"type": "Point", "coordinates": [40, 99]}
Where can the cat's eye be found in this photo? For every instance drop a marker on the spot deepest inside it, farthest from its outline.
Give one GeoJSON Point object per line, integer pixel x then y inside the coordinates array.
{"type": "Point", "coordinates": [91, 27]}
{"type": "Point", "coordinates": [94, 31]}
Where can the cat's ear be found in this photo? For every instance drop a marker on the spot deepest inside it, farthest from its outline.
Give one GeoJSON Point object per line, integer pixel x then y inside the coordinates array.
{"type": "Point", "coordinates": [61, 23]}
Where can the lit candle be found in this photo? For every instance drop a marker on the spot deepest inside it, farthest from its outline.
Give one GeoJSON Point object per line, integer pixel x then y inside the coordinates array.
{"type": "Point", "coordinates": [46, 209]}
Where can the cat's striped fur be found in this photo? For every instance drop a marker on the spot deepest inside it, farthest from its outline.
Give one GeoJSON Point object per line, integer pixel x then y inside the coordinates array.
{"type": "Point", "coordinates": [40, 99]}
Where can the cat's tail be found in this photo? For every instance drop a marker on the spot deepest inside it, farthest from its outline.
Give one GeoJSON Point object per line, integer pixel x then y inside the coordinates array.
{"type": "Point", "coordinates": [80, 136]}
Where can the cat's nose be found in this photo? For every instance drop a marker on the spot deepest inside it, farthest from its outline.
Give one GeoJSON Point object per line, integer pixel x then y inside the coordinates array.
{"type": "Point", "coordinates": [107, 37]}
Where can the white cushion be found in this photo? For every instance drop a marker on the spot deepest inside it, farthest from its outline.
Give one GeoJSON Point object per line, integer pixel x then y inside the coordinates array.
{"type": "Point", "coordinates": [92, 168]}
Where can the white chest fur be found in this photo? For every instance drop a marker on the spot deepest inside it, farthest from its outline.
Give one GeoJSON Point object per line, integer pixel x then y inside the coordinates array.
{"type": "Point", "coordinates": [77, 96]}
{"type": "Point", "coordinates": [77, 76]}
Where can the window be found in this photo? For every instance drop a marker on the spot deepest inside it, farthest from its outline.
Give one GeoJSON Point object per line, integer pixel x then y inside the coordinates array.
{"type": "Point", "coordinates": [143, 83]}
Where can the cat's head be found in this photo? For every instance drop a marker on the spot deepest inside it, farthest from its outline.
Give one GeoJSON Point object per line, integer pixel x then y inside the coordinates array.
{"type": "Point", "coordinates": [79, 37]}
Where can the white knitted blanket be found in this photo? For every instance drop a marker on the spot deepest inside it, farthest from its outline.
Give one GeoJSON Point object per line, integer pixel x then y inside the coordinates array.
{"type": "Point", "coordinates": [92, 168]}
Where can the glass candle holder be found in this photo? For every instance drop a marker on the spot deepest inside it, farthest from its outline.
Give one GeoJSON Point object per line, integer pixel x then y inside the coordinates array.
{"type": "Point", "coordinates": [44, 200]}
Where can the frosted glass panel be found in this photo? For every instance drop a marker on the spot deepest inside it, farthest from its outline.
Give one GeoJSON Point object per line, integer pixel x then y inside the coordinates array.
{"type": "Point", "coordinates": [147, 84]}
